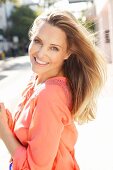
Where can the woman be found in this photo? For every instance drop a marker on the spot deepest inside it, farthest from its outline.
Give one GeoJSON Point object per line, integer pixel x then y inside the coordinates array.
{"type": "Point", "coordinates": [68, 74]}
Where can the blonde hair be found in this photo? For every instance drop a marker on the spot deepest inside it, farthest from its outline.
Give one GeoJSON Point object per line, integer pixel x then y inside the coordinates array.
{"type": "Point", "coordinates": [85, 67]}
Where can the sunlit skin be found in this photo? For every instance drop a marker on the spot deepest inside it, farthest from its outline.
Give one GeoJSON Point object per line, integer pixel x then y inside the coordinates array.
{"type": "Point", "coordinates": [47, 51]}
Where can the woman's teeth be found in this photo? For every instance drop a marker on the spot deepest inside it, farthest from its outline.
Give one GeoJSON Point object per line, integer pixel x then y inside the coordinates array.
{"type": "Point", "coordinates": [40, 62]}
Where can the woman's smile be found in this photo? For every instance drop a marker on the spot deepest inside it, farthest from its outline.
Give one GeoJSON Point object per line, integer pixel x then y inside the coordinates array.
{"type": "Point", "coordinates": [40, 62]}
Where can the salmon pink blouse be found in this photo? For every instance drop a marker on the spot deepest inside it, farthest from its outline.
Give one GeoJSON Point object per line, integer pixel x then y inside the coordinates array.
{"type": "Point", "coordinates": [44, 126]}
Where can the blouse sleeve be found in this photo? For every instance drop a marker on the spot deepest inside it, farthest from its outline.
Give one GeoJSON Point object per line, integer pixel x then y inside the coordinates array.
{"type": "Point", "coordinates": [24, 96]}
{"type": "Point", "coordinates": [50, 116]}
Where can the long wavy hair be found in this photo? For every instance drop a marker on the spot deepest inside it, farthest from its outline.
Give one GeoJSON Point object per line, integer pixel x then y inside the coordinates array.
{"type": "Point", "coordinates": [84, 69]}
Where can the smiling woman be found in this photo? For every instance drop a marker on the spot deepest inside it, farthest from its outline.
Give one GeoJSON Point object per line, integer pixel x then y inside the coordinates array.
{"type": "Point", "coordinates": [68, 73]}
{"type": "Point", "coordinates": [47, 51]}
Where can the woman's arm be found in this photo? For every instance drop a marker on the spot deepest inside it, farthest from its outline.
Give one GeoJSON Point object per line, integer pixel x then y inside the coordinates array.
{"type": "Point", "coordinates": [5, 132]}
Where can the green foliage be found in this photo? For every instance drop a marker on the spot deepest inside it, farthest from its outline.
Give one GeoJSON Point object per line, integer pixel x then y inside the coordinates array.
{"type": "Point", "coordinates": [4, 1]}
{"type": "Point", "coordinates": [88, 24]}
{"type": "Point", "coordinates": [21, 19]}
{"type": "Point", "coordinates": [19, 24]}
{"type": "Point", "coordinates": [1, 32]}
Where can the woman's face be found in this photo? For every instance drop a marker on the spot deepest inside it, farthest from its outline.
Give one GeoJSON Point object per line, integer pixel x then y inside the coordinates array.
{"type": "Point", "coordinates": [47, 51]}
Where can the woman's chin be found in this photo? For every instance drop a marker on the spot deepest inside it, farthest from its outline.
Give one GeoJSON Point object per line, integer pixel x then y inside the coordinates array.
{"type": "Point", "coordinates": [34, 69]}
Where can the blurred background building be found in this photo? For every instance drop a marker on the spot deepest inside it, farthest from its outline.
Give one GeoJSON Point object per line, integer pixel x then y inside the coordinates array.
{"type": "Point", "coordinates": [104, 21]}
{"type": "Point", "coordinates": [96, 15]}
{"type": "Point", "coordinates": [5, 11]}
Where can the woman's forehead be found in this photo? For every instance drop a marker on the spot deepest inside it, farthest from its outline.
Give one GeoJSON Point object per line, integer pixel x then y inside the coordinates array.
{"type": "Point", "coordinates": [50, 33]}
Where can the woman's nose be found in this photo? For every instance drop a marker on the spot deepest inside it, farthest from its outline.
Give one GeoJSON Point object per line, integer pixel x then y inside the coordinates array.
{"type": "Point", "coordinates": [41, 52]}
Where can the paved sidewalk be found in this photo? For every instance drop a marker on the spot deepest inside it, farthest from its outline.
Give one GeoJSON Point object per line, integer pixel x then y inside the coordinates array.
{"type": "Point", "coordinates": [6, 63]}
{"type": "Point", "coordinates": [17, 72]}
{"type": "Point", "coordinates": [94, 149]}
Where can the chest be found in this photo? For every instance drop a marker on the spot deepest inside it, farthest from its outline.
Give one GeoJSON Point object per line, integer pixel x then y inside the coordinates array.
{"type": "Point", "coordinates": [22, 124]}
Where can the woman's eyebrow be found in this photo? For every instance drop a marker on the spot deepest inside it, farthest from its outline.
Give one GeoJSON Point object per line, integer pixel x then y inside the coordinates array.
{"type": "Point", "coordinates": [56, 45]}
{"type": "Point", "coordinates": [50, 44]}
{"type": "Point", "coordinates": [38, 38]}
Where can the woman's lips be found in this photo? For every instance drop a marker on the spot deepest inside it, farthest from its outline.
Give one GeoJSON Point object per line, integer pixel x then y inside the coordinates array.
{"type": "Point", "coordinates": [40, 62]}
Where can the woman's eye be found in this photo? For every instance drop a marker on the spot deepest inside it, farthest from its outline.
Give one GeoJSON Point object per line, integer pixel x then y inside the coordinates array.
{"type": "Point", "coordinates": [54, 49]}
{"type": "Point", "coordinates": [37, 41]}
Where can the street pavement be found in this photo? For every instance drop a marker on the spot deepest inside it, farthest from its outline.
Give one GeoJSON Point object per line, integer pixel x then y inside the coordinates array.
{"type": "Point", "coordinates": [14, 75]}
{"type": "Point", "coordinates": [94, 148]}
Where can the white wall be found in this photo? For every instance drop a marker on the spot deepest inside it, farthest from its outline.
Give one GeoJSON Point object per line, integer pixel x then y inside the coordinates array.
{"type": "Point", "coordinates": [99, 5]}
{"type": "Point", "coordinates": [5, 11]}
{"type": "Point", "coordinates": [104, 12]}
{"type": "Point", "coordinates": [2, 17]}
{"type": "Point", "coordinates": [110, 8]}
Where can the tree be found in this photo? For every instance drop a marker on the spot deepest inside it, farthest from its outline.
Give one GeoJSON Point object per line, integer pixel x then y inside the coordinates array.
{"type": "Point", "coordinates": [87, 21]}
{"type": "Point", "coordinates": [4, 1]}
{"type": "Point", "coordinates": [21, 19]}
{"type": "Point", "coordinates": [88, 24]}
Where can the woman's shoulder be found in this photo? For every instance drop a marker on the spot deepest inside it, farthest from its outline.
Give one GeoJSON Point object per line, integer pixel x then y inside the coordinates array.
{"type": "Point", "coordinates": [56, 88]}
{"type": "Point", "coordinates": [60, 82]}
{"type": "Point", "coordinates": [57, 85]}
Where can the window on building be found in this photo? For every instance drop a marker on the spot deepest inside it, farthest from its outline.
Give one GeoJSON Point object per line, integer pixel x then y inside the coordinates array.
{"type": "Point", "coordinates": [107, 36]}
